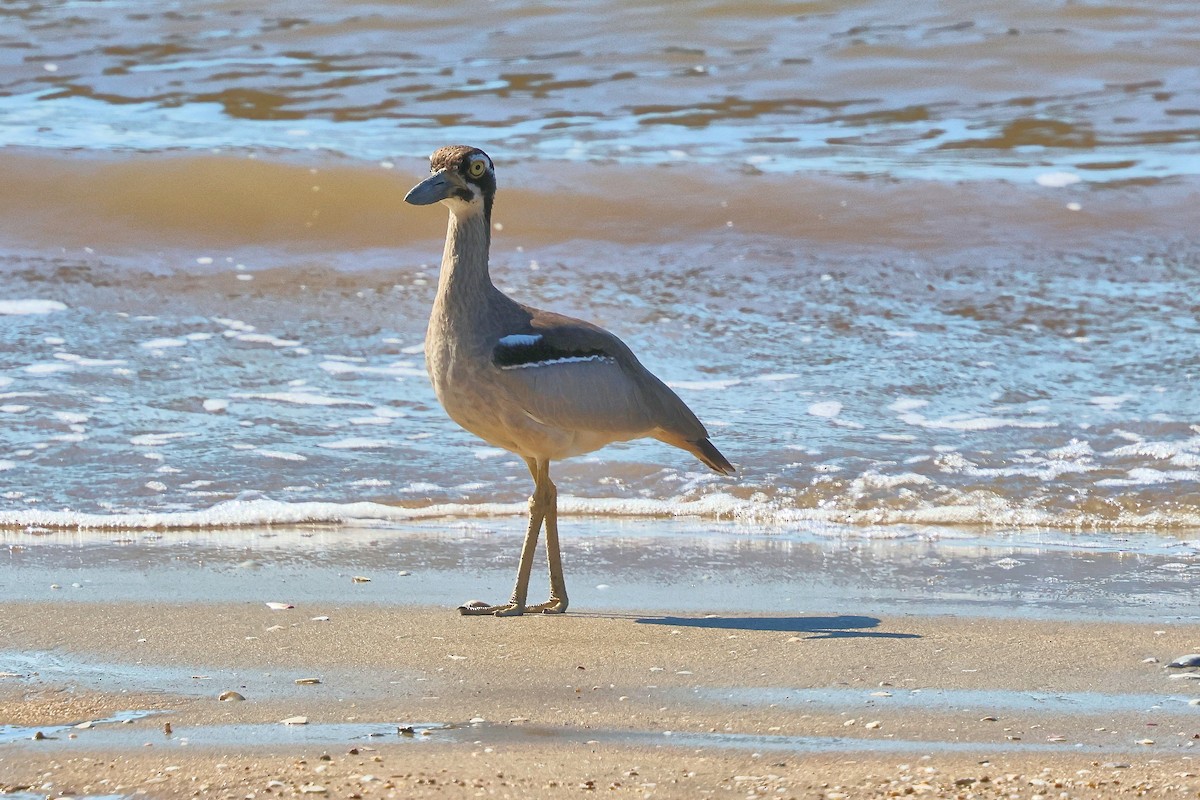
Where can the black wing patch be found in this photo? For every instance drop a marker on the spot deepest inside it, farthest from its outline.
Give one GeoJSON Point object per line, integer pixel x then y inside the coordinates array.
{"type": "Point", "coordinates": [519, 351]}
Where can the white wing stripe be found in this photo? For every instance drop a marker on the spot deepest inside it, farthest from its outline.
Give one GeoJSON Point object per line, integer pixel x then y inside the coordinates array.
{"type": "Point", "coordinates": [520, 339]}
{"type": "Point", "coordinates": [554, 361]}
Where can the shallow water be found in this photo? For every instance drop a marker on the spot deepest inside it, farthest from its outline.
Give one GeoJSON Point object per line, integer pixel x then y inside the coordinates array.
{"type": "Point", "coordinates": [818, 584]}
{"type": "Point", "coordinates": [911, 267]}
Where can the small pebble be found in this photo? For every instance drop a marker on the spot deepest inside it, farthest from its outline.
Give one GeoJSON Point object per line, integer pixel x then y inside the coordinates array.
{"type": "Point", "coordinates": [294, 721]}
{"type": "Point", "coordinates": [361, 579]}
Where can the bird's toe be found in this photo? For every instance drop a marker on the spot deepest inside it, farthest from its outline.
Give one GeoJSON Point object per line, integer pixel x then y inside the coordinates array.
{"type": "Point", "coordinates": [476, 608]}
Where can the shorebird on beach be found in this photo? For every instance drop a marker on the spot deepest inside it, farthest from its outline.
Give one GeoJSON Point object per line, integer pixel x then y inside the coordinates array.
{"type": "Point", "coordinates": [539, 384]}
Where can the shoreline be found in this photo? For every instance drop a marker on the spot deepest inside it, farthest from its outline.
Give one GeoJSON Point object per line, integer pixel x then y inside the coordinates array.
{"type": "Point", "coordinates": [821, 693]}
{"type": "Point", "coordinates": [553, 702]}
{"type": "Point", "coordinates": [616, 565]}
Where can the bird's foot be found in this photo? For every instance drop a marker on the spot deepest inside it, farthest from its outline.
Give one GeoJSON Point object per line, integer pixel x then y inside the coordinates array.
{"type": "Point", "coordinates": [478, 608]}
{"type": "Point", "coordinates": [555, 605]}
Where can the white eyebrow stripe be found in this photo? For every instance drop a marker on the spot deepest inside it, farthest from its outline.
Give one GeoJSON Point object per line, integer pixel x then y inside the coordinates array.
{"type": "Point", "coordinates": [520, 339]}
{"type": "Point", "coordinates": [555, 361]}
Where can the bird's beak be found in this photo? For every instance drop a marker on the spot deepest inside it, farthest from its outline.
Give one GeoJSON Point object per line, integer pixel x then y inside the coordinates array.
{"type": "Point", "coordinates": [431, 190]}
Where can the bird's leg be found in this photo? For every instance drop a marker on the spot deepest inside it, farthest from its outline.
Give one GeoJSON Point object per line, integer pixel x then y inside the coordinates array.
{"type": "Point", "coordinates": [537, 513]}
{"type": "Point", "coordinates": [557, 603]}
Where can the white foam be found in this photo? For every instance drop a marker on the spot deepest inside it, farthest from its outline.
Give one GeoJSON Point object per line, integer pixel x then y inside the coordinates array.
{"type": "Point", "coordinates": [965, 422]}
{"type": "Point", "coordinates": [215, 405]}
{"type": "Point", "coordinates": [158, 439]}
{"type": "Point", "coordinates": [13, 408]}
{"type": "Point", "coordinates": [301, 398]}
{"type": "Point", "coordinates": [371, 482]}
{"type": "Point", "coordinates": [401, 369]}
{"type": "Point", "coordinates": [907, 404]}
{"type": "Point", "coordinates": [71, 417]}
{"type": "Point", "coordinates": [47, 368]}
{"type": "Point", "coordinates": [164, 344]}
{"type": "Point", "coordinates": [89, 362]}
{"type": "Point", "coordinates": [6, 465]}
{"type": "Point", "coordinates": [5, 381]}
{"type": "Point", "coordinates": [233, 324]}
{"type": "Point", "coordinates": [282, 455]}
{"type": "Point", "coordinates": [1057, 180]}
{"type": "Point", "coordinates": [356, 443]}
{"type": "Point", "coordinates": [1144, 476]}
{"type": "Point", "coordinates": [1110, 402]}
{"type": "Point", "coordinates": [826, 408]}
{"type": "Point", "coordinates": [700, 386]}
{"type": "Point", "coordinates": [30, 307]}
{"type": "Point", "coordinates": [264, 338]}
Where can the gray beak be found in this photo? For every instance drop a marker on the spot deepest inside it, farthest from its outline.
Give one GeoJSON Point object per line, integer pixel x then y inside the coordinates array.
{"type": "Point", "coordinates": [431, 190]}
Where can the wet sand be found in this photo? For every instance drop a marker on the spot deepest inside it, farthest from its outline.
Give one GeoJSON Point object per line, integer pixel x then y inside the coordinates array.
{"type": "Point", "coordinates": [862, 699]}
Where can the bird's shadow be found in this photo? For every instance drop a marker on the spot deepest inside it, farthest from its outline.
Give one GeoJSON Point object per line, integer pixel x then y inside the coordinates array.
{"type": "Point", "coordinates": [843, 626]}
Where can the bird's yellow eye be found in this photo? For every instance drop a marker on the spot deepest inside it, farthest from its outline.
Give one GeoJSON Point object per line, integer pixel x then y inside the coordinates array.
{"type": "Point", "coordinates": [476, 168]}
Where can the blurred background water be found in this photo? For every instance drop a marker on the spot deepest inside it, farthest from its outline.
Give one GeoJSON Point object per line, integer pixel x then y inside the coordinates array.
{"type": "Point", "coordinates": [915, 267]}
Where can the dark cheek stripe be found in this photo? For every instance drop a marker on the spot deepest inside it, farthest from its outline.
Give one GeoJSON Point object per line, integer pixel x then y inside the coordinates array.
{"type": "Point", "coordinates": [464, 194]}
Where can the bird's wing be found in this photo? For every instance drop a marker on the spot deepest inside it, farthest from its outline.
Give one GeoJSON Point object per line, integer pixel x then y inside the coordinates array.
{"type": "Point", "coordinates": [574, 375]}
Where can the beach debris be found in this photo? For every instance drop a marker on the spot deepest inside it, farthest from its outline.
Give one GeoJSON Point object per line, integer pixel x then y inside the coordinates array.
{"type": "Point", "coordinates": [453, 657]}
{"type": "Point", "coordinates": [1145, 741]}
{"type": "Point", "coordinates": [1190, 660]}
{"type": "Point", "coordinates": [1056, 738]}
{"type": "Point", "coordinates": [475, 604]}
{"type": "Point", "coordinates": [988, 718]}
{"type": "Point", "coordinates": [406, 730]}
{"type": "Point", "coordinates": [881, 694]}
{"type": "Point", "coordinates": [274, 606]}
{"type": "Point", "coordinates": [321, 618]}
{"type": "Point", "coordinates": [1195, 701]}
{"type": "Point", "coordinates": [230, 696]}
{"type": "Point", "coordinates": [83, 726]}
{"type": "Point", "coordinates": [1115, 765]}
{"type": "Point", "coordinates": [1184, 676]}
{"type": "Point", "coordinates": [1150, 660]}
{"type": "Point", "coordinates": [477, 720]}
{"type": "Point", "coordinates": [313, 788]}
{"type": "Point", "coordinates": [404, 573]}
{"type": "Point", "coordinates": [39, 736]}
{"type": "Point", "coordinates": [361, 579]}
{"type": "Point", "coordinates": [307, 681]}
{"type": "Point", "coordinates": [294, 721]}
{"type": "Point", "coordinates": [167, 728]}
{"type": "Point", "coordinates": [873, 724]}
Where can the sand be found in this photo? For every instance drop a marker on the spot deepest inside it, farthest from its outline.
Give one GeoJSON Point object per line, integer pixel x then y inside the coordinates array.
{"type": "Point", "coordinates": [623, 704]}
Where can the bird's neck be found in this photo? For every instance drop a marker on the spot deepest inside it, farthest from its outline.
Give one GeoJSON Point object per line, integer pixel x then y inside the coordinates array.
{"type": "Point", "coordinates": [464, 283]}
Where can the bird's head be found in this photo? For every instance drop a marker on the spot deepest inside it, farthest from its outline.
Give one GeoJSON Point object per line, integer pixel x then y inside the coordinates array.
{"type": "Point", "coordinates": [461, 177]}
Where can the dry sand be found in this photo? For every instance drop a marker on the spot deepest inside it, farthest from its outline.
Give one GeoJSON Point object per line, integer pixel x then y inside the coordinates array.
{"type": "Point", "coordinates": [780, 706]}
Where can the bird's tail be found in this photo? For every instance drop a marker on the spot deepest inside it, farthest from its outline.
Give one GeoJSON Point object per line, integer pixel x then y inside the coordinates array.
{"type": "Point", "coordinates": [704, 450]}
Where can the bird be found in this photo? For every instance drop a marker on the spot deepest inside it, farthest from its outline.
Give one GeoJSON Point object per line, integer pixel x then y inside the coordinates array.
{"type": "Point", "coordinates": [536, 383]}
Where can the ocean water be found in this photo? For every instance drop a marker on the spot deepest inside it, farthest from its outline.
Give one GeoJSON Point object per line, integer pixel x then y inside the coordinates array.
{"type": "Point", "coordinates": [919, 270]}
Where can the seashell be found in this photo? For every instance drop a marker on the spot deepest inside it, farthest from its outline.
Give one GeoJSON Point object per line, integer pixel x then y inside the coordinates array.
{"type": "Point", "coordinates": [230, 696]}
{"type": "Point", "coordinates": [279, 606]}
{"type": "Point", "coordinates": [294, 721]}
{"type": "Point", "coordinates": [1190, 660]}
{"type": "Point", "coordinates": [307, 681]}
